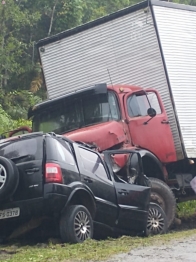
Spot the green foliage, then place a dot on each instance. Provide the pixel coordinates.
(16, 103)
(95, 9)
(5, 120)
(8, 124)
(16, 24)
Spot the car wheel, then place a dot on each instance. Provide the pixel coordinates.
(162, 195)
(9, 178)
(76, 224)
(157, 221)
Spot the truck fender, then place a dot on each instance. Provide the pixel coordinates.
(82, 196)
(152, 166)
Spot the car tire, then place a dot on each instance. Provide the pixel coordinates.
(9, 178)
(162, 195)
(157, 221)
(76, 224)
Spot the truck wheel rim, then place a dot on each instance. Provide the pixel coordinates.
(155, 222)
(82, 226)
(3, 176)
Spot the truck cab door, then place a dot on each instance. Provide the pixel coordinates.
(153, 134)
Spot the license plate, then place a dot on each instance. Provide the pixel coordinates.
(8, 213)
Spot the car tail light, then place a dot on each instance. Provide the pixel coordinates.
(53, 173)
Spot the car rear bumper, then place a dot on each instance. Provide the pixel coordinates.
(51, 203)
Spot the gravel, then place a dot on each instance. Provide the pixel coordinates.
(174, 251)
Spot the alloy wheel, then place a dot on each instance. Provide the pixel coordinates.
(82, 226)
(155, 222)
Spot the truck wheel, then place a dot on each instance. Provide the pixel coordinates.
(9, 178)
(162, 195)
(157, 221)
(76, 224)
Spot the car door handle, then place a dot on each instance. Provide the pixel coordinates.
(88, 180)
(31, 171)
(165, 122)
(123, 192)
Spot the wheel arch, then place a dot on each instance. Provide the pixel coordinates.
(81, 196)
(152, 166)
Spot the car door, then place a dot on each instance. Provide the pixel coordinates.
(154, 135)
(95, 176)
(133, 200)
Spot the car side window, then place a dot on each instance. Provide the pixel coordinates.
(138, 104)
(60, 150)
(92, 163)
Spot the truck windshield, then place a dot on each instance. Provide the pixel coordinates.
(72, 114)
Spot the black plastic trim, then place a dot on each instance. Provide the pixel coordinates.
(89, 90)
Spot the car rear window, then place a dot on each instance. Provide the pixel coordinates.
(31, 147)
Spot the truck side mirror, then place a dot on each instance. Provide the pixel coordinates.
(151, 112)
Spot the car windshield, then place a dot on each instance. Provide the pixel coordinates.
(73, 114)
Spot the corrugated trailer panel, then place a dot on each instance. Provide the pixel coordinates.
(126, 46)
(177, 31)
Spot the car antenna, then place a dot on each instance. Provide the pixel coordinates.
(110, 78)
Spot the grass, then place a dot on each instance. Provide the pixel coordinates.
(186, 209)
(92, 250)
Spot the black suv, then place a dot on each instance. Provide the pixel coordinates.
(49, 176)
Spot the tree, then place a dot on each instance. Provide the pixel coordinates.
(15, 40)
(95, 9)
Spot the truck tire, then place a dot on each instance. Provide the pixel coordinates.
(76, 224)
(162, 195)
(9, 178)
(157, 221)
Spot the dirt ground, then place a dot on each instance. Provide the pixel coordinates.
(175, 251)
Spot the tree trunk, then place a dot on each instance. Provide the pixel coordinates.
(52, 17)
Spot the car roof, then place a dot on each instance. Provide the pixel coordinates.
(17, 137)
